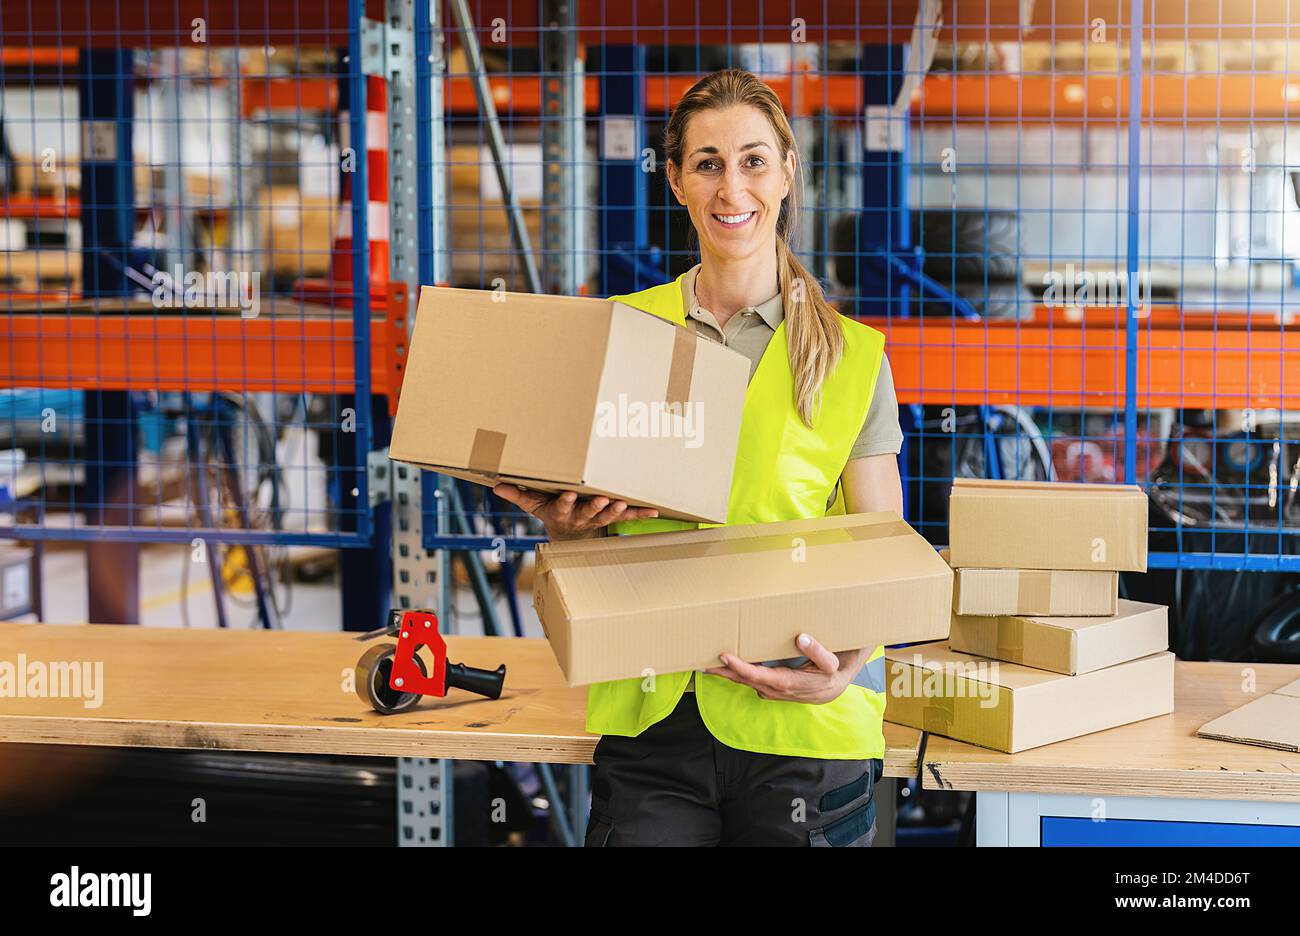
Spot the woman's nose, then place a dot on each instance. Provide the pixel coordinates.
(732, 185)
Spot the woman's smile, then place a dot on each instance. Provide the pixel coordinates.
(733, 221)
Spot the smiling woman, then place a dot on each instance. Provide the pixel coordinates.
(787, 752)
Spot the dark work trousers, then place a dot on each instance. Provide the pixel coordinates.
(675, 784)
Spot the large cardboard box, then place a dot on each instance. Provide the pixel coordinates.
(1065, 592)
(618, 607)
(1047, 525)
(1009, 707)
(560, 393)
(1068, 645)
(297, 231)
(1271, 721)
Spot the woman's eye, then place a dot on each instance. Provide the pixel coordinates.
(711, 165)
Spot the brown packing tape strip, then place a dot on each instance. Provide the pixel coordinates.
(539, 605)
(682, 368)
(937, 716)
(1034, 591)
(1011, 638)
(628, 552)
(486, 451)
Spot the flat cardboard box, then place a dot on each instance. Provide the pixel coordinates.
(1047, 525)
(1271, 721)
(618, 607)
(1011, 708)
(1063, 592)
(1067, 645)
(560, 393)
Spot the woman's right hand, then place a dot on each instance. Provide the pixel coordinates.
(569, 516)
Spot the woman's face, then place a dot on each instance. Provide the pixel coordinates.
(732, 180)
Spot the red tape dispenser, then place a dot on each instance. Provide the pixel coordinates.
(392, 678)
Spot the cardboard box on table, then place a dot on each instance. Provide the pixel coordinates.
(1047, 525)
(618, 607)
(561, 393)
(1067, 645)
(1009, 707)
(1059, 592)
(1271, 721)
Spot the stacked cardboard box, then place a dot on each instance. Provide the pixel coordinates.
(1041, 648)
(630, 606)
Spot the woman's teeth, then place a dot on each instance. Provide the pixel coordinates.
(734, 220)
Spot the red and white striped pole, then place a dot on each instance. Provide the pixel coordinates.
(339, 285)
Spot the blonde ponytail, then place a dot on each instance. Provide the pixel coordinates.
(812, 331)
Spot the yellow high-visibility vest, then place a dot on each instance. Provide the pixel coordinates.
(784, 471)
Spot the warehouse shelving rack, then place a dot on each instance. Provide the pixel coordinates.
(1113, 358)
(109, 346)
(1123, 358)
(1217, 362)
(110, 352)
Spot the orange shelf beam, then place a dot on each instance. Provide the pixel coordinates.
(41, 208)
(803, 94)
(935, 361)
(38, 57)
(195, 352)
(68, 208)
(299, 93)
(1060, 97)
(520, 95)
(939, 361)
(1063, 97)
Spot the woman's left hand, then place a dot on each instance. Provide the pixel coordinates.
(817, 682)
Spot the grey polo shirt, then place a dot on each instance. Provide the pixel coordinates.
(749, 331)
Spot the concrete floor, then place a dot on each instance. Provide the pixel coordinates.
(312, 607)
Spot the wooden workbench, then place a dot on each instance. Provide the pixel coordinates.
(282, 691)
(289, 692)
(1153, 782)
(1159, 757)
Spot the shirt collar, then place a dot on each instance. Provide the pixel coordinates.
(772, 312)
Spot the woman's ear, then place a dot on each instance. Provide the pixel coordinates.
(674, 182)
(789, 172)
